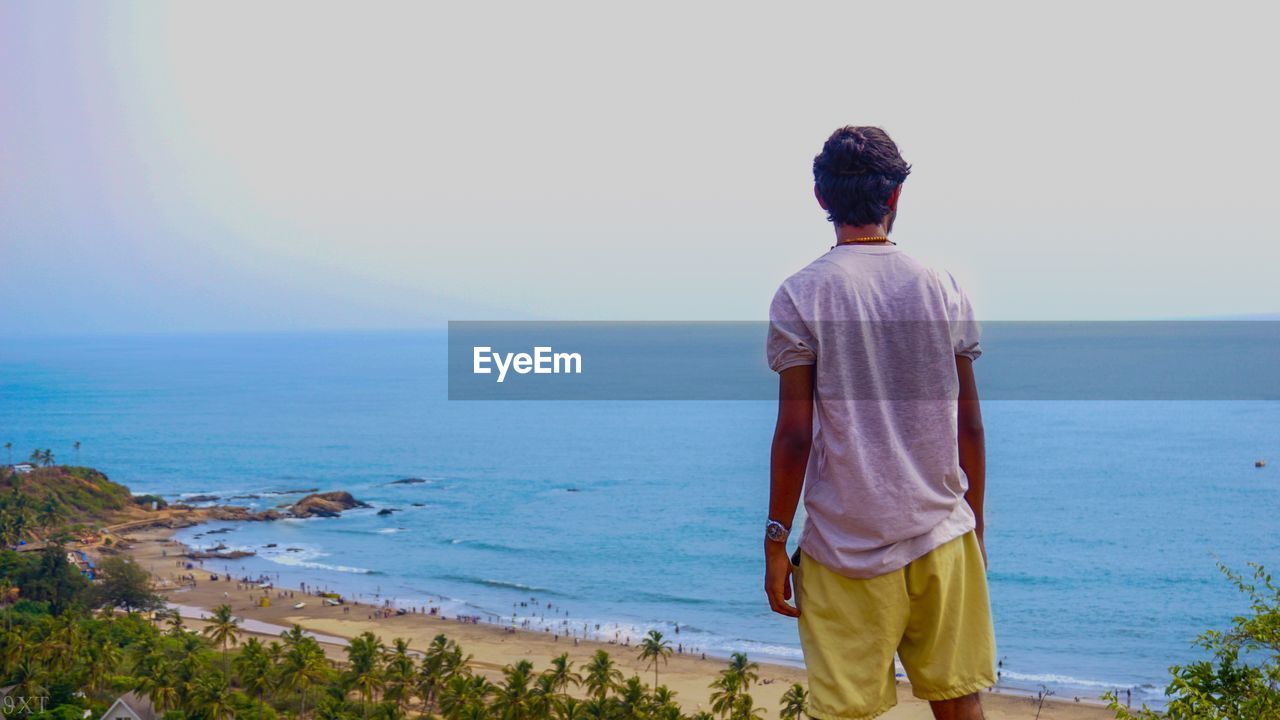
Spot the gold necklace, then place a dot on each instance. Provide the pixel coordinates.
(857, 241)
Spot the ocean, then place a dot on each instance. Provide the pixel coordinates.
(1106, 519)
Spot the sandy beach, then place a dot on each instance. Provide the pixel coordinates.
(493, 647)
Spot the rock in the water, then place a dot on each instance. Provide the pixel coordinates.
(386, 511)
(219, 554)
(1260, 463)
(329, 504)
(408, 481)
(237, 513)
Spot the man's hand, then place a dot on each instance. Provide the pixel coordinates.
(777, 578)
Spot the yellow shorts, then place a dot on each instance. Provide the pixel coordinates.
(934, 613)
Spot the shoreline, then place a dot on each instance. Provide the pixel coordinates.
(531, 613)
(494, 646)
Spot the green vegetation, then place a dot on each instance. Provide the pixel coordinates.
(147, 500)
(42, 582)
(54, 645)
(41, 457)
(122, 583)
(1242, 680)
(45, 582)
(33, 505)
(83, 662)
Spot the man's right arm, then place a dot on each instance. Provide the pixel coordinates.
(792, 441)
(973, 445)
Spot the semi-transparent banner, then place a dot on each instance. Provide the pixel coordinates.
(1156, 360)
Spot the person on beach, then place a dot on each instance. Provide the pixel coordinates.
(879, 425)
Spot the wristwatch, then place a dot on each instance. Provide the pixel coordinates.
(775, 531)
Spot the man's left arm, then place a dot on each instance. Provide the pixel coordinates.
(973, 445)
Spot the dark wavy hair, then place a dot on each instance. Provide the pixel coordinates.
(856, 173)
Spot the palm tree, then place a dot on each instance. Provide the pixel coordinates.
(147, 655)
(304, 666)
(401, 673)
(16, 647)
(254, 671)
(795, 703)
(664, 706)
(561, 674)
(8, 449)
(223, 629)
(364, 666)
(332, 705)
(512, 700)
(663, 697)
(542, 699)
(76, 445)
(654, 649)
(27, 679)
(160, 685)
(475, 711)
(46, 458)
(745, 709)
(17, 518)
(174, 621)
(461, 693)
(567, 708)
(294, 635)
(747, 671)
(212, 697)
(602, 675)
(388, 710)
(275, 651)
(64, 641)
(47, 516)
(632, 700)
(597, 709)
(727, 688)
(191, 661)
(6, 591)
(431, 675)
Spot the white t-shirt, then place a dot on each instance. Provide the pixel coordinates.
(884, 484)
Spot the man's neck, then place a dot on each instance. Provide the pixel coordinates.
(856, 233)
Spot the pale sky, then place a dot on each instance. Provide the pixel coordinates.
(226, 166)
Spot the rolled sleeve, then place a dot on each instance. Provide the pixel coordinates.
(790, 343)
(966, 331)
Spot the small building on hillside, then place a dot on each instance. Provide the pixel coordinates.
(131, 706)
(23, 468)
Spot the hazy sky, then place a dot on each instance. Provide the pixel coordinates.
(276, 166)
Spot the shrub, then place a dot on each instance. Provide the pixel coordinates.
(1242, 680)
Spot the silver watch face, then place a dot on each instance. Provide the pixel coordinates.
(775, 531)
